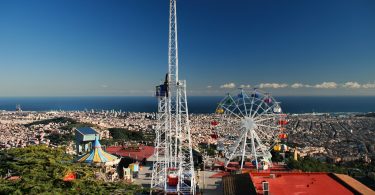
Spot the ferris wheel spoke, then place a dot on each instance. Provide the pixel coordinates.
(232, 103)
(262, 133)
(264, 119)
(235, 103)
(261, 112)
(232, 150)
(265, 111)
(243, 101)
(225, 108)
(257, 109)
(260, 144)
(252, 103)
(267, 126)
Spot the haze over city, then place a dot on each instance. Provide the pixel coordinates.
(117, 48)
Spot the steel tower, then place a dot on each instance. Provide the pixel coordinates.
(173, 169)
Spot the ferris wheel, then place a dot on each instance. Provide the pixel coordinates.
(250, 123)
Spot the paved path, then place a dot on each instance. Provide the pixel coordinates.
(210, 185)
(207, 185)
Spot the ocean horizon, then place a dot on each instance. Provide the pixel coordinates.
(197, 104)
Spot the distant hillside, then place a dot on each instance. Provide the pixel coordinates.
(371, 114)
(61, 138)
(53, 120)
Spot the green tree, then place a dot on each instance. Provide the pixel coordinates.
(308, 164)
(124, 134)
(42, 169)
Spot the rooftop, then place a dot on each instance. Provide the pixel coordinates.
(237, 184)
(351, 182)
(303, 183)
(138, 154)
(86, 130)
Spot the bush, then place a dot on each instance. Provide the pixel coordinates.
(308, 164)
(126, 135)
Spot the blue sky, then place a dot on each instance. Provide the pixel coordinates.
(120, 47)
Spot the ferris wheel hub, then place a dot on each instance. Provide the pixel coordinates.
(249, 123)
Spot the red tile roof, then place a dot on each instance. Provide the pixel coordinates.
(299, 183)
(248, 166)
(220, 174)
(138, 154)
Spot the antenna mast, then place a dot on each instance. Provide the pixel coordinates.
(173, 170)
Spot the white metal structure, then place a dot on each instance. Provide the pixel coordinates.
(173, 146)
(249, 126)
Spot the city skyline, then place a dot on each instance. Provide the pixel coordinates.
(118, 48)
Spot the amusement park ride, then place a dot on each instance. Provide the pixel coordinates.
(173, 170)
(251, 124)
(253, 119)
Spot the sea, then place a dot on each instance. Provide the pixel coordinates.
(197, 104)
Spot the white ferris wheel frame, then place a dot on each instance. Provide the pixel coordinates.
(255, 119)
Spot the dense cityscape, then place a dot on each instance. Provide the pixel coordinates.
(341, 138)
(282, 97)
(329, 138)
(337, 137)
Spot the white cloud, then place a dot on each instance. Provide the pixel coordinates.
(297, 85)
(334, 85)
(245, 86)
(326, 85)
(209, 87)
(351, 85)
(368, 86)
(228, 86)
(273, 85)
(104, 86)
